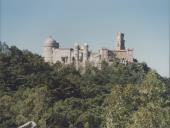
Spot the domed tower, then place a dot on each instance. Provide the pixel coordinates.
(48, 47)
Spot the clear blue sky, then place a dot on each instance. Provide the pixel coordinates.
(27, 23)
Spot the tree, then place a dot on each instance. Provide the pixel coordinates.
(120, 105)
(154, 111)
(150, 116)
(31, 105)
(6, 115)
(138, 107)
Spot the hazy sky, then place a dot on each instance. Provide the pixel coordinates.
(27, 23)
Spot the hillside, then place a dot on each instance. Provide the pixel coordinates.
(58, 96)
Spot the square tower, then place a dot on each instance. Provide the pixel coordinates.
(120, 42)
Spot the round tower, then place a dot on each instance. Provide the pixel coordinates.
(48, 47)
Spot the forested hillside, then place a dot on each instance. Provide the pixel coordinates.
(58, 96)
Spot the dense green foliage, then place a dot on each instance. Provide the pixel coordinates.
(58, 96)
(143, 106)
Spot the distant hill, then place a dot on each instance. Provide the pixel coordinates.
(59, 96)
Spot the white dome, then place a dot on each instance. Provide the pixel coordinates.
(85, 44)
(49, 42)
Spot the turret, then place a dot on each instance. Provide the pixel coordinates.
(120, 42)
(48, 48)
(130, 54)
(76, 55)
(85, 53)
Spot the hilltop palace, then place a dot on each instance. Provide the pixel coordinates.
(80, 54)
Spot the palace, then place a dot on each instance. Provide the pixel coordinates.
(80, 54)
